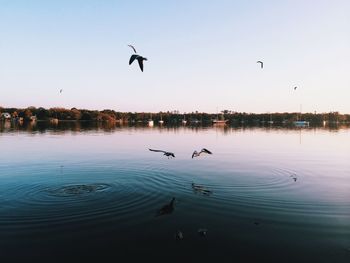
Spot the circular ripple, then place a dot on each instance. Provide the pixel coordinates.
(78, 189)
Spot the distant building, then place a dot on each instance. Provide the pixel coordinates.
(5, 116)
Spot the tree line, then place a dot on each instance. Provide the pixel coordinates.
(170, 117)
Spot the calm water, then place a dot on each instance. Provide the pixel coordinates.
(78, 192)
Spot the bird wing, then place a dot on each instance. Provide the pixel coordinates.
(194, 154)
(140, 60)
(261, 63)
(161, 151)
(206, 151)
(132, 58)
(132, 48)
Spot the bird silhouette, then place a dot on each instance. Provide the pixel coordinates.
(166, 209)
(168, 154)
(133, 48)
(295, 88)
(139, 58)
(261, 63)
(61, 90)
(196, 154)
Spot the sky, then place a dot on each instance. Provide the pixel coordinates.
(202, 55)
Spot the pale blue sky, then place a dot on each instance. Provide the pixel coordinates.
(202, 55)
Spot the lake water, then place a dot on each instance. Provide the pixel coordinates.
(84, 192)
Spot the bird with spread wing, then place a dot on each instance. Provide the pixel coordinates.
(168, 154)
(139, 58)
(196, 154)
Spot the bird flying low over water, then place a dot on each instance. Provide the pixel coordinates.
(139, 58)
(168, 154)
(166, 209)
(261, 63)
(196, 154)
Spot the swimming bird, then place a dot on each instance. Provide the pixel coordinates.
(294, 177)
(167, 209)
(196, 154)
(139, 58)
(168, 154)
(261, 63)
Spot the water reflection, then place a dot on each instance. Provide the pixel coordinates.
(86, 126)
(264, 193)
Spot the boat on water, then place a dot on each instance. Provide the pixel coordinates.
(301, 123)
(184, 120)
(161, 120)
(216, 121)
(220, 119)
(150, 122)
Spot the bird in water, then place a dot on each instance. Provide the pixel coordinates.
(294, 177)
(261, 63)
(196, 154)
(168, 154)
(201, 189)
(139, 58)
(166, 209)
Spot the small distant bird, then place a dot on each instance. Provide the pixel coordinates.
(261, 63)
(139, 58)
(295, 88)
(167, 209)
(61, 90)
(168, 154)
(294, 177)
(196, 154)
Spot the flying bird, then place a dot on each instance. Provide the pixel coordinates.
(196, 154)
(132, 48)
(61, 90)
(166, 209)
(261, 63)
(295, 88)
(139, 58)
(168, 154)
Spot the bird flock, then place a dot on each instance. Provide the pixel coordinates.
(140, 60)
